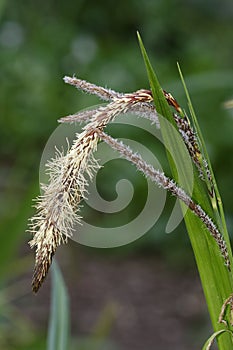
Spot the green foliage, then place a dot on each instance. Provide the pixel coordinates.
(40, 42)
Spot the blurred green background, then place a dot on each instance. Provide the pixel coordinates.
(40, 42)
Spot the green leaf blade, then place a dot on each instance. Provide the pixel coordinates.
(58, 332)
(215, 277)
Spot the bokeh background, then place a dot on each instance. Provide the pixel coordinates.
(145, 295)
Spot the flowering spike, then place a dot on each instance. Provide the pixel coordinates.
(103, 93)
(163, 181)
(57, 207)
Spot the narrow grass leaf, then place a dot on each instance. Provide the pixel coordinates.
(216, 201)
(58, 331)
(210, 341)
(215, 277)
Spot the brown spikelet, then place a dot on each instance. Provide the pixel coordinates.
(46, 248)
(42, 266)
(172, 101)
(189, 139)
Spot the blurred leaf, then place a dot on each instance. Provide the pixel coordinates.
(58, 333)
(2, 7)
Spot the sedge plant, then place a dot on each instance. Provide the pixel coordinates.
(58, 209)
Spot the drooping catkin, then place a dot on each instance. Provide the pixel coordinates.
(163, 181)
(57, 207)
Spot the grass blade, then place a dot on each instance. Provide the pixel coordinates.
(215, 277)
(210, 341)
(216, 200)
(59, 314)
